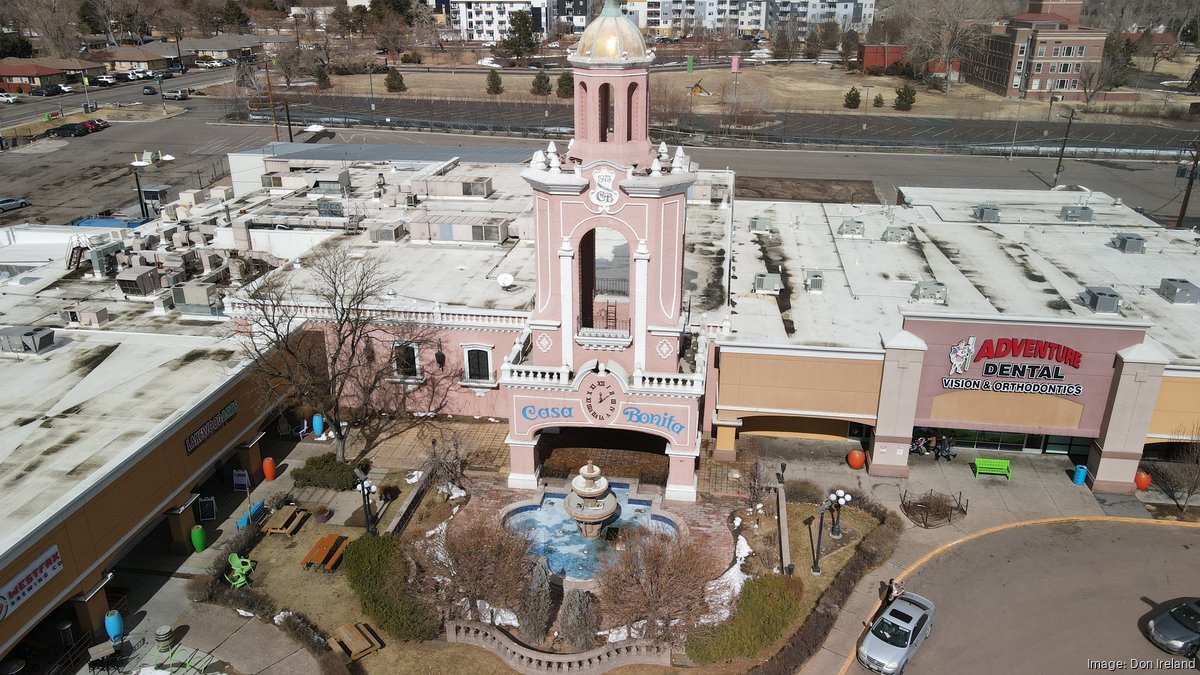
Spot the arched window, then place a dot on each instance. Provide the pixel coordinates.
(605, 101)
(581, 120)
(630, 106)
(479, 364)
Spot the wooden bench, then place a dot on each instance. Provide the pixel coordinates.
(357, 640)
(337, 554)
(999, 467)
(320, 551)
(284, 521)
(257, 509)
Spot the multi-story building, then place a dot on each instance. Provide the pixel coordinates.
(1041, 53)
(488, 20)
(681, 18)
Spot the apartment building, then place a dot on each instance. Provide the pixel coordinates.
(678, 18)
(488, 20)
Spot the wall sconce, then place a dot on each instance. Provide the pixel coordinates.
(440, 357)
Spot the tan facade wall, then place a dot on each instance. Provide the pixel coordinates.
(1178, 408)
(829, 387)
(96, 527)
(782, 426)
(974, 408)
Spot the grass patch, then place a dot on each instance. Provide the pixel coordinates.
(766, 608)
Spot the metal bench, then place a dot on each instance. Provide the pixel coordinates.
(999, 467)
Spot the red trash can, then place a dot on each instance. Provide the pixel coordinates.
(269, 468)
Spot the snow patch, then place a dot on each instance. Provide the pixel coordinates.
(721, 591)
(503, 617)
(248, 615)
(454, 491)
(413, 476)
(737, 522)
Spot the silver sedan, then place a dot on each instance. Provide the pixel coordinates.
(894, 637)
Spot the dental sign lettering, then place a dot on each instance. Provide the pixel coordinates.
(1043, 367)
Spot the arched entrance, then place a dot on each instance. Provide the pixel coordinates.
(622, 454)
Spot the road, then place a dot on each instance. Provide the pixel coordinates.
(67, 178)
(1049, 598)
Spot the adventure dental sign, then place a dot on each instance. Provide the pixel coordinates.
(1044, 377)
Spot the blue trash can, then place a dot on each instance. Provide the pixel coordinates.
(318, 425)
(1080, 474)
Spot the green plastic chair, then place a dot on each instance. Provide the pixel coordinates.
(237, 580)
(241, 565)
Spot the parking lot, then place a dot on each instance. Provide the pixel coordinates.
(1049, 598)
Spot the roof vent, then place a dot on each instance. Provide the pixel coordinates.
(760, 224)
(1127, 242)
(900, 234)
(1102, 299)
(930, 291)
(1076, 214)
(1179, 291)
(986, 212)
(814, 281)
(852, 227)
(389, 232)
(769, 283)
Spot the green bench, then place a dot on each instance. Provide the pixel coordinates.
(999, 467)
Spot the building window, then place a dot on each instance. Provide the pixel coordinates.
(485, 233)
(1062, 84)
(479, 364)
(1035, 85)
(1074, 84)
(1037, 67)
(1080, 50)
(1016, 81)
(1055, 52)
(1068, 51)
(1041, 51)
(1020, 66)
(1078, 67)
(404, 361)
(1021, 50)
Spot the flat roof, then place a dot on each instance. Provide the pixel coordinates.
(391, 152)
(1030, 263)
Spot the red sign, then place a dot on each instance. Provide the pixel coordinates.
(1027, 348)
(18, 589)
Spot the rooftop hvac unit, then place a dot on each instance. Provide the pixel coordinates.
(410, 199)
(900, 234)
(141, 280)
(390, 232)
(196, 298)
(172, 276)
(852, 227)
(1127, 242)
(1076, 214)
(814, 281)
(26, 339)
(328, 208)
(769, 283)
(986, 212)
(930, 291)
(760, 224)
(84, 316)
(1179, 291)
(1102, 299)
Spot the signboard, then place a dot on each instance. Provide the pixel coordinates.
(241, 480)
(212, 426)
(208, 508)
(596, 405)
(17, 590)
(605, 195)
(1044, 375)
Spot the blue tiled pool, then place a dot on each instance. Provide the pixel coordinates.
(558, 538)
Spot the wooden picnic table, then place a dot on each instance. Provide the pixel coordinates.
(284, 521)
(357, 640)
(320, 551)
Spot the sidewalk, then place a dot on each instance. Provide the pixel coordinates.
(1041, 487)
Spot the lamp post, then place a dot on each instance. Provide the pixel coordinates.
(816, 566)
(837, 500)
(1063, 149)
(366, 488)
(138, 165)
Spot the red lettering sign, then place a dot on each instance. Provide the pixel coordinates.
(997, 348)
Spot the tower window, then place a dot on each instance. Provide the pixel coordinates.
(605, 101)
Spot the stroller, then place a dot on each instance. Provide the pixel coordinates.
(918, 447)
(945, 449)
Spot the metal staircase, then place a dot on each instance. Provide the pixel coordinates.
(76, 247)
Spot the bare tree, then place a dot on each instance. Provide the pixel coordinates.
(945, 30)
(485, 561)
(1178, 477)
(1155, 51)
(829, 34)
(292, 62)
(788, 39)
(316, 345)
(391, 33)
(758, 483)
(659, 579)
(54, 22)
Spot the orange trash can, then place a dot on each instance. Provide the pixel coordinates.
(269, 468)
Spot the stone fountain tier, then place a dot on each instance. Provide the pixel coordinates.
(590, 503)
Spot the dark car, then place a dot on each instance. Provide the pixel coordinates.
(178, 69)
(165, 74)
(148, 90)
(91, 126)
(44, 91)
(123, 77)
(69, 130)
(1177, 630)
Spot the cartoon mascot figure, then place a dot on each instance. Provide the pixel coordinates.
(960, 356)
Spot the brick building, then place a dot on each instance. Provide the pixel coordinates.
(1041, 53)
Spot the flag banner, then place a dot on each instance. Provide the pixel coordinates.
(689, 62)
(736, 63)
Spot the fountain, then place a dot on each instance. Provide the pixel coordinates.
(590, 503)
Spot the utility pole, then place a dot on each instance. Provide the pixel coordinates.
(1187, 193)
(1063, 149)
(271, 98)
(287, 113)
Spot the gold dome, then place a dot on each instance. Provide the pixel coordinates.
(612, 39)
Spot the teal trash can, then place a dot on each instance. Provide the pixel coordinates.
(318, 425)
(1080, 474)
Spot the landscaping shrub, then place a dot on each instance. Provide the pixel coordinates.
(333, 663)
(411, 57)
(494, 85)
(875, 70)
(395, 81)
(804, 490)
(578, 619)
(565, 87)
(878, 102)
(906, 96)
(541, 85)
(853, 98)
(369, 562)
(279, 500)
(892, 69)
(765, 608)
(326, 472)
(536, 606)
(245, 598)
(303, 631)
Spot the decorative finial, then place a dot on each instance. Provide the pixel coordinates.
(552, 148)
(656, 168)
(555, 164)
(662, 150)
(539, 160)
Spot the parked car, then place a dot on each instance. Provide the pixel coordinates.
(103, 124)
(91, 126)
(65, 88)
(110, 79)
(893, 639)
(10, 203)
(1177, 630)
(69, 130)
(149, 90)
(123, 77)
(210, 64)
(177, 69)
(176, 94)
(8, 98)
(93, 82)
(165, 74)
(44, 91)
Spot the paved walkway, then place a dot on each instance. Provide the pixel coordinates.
(481, 440)
(247, 644)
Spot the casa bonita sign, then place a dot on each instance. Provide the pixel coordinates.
(1014, 377)
(18, 589)
(538, 412)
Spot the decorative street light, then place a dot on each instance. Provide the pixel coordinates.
(837, 500)
(367, 488)
(816, 566)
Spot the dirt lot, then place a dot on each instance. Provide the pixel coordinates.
(812, 190)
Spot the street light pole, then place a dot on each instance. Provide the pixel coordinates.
(1063, 149)
(838, 499)
(137, 166)
(1187, 194)
(816, 567)
(367, 488)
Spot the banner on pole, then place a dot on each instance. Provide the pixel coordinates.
(689, 64)
(736, 63)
